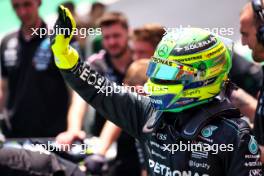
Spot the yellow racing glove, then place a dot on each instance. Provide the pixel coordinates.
(66, 57)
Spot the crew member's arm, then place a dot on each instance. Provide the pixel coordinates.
(127, 110)
(3, 93)
(262, 153)
(109, 134)
(3, 78)
(245, 103)
(95, 163)
(76, 113)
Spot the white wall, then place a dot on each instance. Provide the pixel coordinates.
(173, 13)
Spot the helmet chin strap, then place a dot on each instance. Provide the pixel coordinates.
(227, 90)
(221, 97)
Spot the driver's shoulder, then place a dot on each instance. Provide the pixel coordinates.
(228, 129)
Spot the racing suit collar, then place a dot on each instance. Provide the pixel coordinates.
(160, 118)
(207, 113)
(177, 120)
(189, 123)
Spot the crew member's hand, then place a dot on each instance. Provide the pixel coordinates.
(96, 164)
(261, 153)
(65, 56)
(68, 137)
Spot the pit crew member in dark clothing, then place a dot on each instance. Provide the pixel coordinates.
(35, 96)
(251, 29)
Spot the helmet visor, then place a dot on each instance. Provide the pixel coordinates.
(165, 69)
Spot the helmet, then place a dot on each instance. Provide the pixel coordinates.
(189, 67)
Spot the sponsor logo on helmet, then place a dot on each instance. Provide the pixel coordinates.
(215, 70)
(210, 53)
(190, 58)
(163, 50)
(215, 52)
(162, 61)
(191, 93)
(183, 102)
(219, 60)
(155, 101)
(153, 88)
(201, 44)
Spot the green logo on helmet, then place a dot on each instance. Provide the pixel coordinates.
(163, 50)
(253, 145)
(208, 130)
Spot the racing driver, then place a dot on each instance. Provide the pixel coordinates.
(186, 115)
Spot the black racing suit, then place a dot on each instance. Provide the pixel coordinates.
(234, 150)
